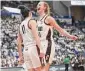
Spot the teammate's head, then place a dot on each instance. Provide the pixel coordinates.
(43, 7)
(24, 11)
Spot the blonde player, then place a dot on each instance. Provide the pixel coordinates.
(45, 25)
(29, 37)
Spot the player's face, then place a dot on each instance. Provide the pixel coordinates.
(40, 7)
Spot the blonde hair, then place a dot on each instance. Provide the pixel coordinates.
(47, 11)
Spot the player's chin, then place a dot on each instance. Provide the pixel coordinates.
(38, 11)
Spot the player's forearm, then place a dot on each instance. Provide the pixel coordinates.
(20, 50)
(38, 42)
(65, 33)
(62, 31)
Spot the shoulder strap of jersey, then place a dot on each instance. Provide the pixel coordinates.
(45, 19)
(28, 23)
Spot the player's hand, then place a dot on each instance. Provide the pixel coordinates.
(41, 55)
(21, 60)
(73, 37)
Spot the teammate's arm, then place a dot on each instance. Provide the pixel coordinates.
(19, 45)
(32, 25)
(53, 23)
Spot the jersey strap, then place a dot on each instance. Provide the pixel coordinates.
(28, 23)
(42, 17)
(45, 19)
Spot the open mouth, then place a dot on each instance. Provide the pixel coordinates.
(38, 8)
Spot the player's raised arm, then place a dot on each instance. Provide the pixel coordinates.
(53, 23)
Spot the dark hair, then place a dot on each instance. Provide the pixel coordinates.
(24, 11)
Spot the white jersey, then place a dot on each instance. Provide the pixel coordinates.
(45, 31)
(26, 33)
(30, 54)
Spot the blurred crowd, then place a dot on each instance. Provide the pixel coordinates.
(66, 46)
(9, 54)
(75, 49)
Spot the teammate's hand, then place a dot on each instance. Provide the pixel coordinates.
(41, 55)
(21, 60)
(73, 37)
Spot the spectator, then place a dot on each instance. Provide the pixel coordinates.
(66, 62)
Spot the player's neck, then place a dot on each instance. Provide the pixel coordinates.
(28, 17)
(42, 15)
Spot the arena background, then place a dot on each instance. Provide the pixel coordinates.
(70, 15)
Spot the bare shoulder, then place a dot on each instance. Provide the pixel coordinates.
(50, 18)
(32, 21)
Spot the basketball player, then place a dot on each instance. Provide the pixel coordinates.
(29, 37)
(45, 25)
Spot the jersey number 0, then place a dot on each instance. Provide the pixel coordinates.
(23, 29)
